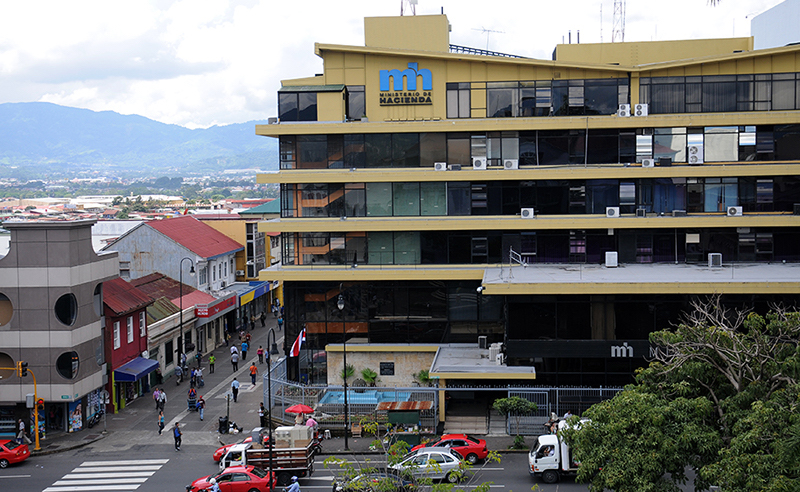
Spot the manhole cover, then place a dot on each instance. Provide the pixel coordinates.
(91, 436)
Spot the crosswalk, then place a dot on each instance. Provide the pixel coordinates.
(107, 475)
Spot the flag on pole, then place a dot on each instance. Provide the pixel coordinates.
(298, 343)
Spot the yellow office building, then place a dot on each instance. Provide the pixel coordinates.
(564, 207)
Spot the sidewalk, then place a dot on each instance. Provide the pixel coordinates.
(141, 415)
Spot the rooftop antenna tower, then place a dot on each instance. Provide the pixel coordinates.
(618, 32)
(487, 32)
(412, 6)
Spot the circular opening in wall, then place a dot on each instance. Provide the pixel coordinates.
(67, 309)
(6, 361)
(67, 364)
(6, 309)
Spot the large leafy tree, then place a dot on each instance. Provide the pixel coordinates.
(721, 396)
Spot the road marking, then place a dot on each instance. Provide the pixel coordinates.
(107, 476)
(124, 462)
(111, 480)
(89, 469)
(16, 476)
(146, 474)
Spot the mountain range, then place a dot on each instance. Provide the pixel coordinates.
(39, 140)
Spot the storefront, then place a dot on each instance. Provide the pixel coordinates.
(130, 381)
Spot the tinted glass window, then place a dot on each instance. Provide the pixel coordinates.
(287, 106)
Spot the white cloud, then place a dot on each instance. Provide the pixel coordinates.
(202, 62)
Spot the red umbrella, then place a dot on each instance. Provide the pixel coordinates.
(299, 408)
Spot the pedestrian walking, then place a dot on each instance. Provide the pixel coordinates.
(253, 373)
(160, 422)
(263, 319)
(155, 397)
(275, 309)
(201, 405)
(192, 378)
(162, 399)
(280, 323)
(211, 360)
(235, 390)
(262, 418)
(252, 323)
(198, 357)
(281, 311)
(21, 435)
(234, 349)
(176, 433)
(183, 360)
(260, 353)
(245, 346)
(235, 361)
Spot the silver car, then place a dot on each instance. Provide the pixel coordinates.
(433, 463)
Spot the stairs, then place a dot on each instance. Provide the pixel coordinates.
(466, 424)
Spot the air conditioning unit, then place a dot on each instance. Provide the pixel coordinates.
(624, 110)
(714, 260)
(612, 259)
(483, 342)
(499, 359)
(494, 350)
(479, 163)
(454, 167)
(679, 213)
(640, 110)
(510, 163)
(695, 154)
(440, 166)
(240, 273)
(641, 212)
(612, 211)
(527, 213)
(648, 162)
(734, 211)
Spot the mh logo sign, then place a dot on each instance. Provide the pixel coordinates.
(410, 74)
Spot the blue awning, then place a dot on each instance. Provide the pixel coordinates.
(135, 370)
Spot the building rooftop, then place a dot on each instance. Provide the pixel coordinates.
(122, 297)
(201, 239)
(468, 361)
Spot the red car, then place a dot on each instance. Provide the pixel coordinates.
(471, 448)
(12, 452)
(237, 479)
(219, 453)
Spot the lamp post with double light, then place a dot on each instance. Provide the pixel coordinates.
(272, 351)
(180, 302)
(340, 305)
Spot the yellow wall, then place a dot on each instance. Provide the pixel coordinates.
(638, 53)
(417, 32)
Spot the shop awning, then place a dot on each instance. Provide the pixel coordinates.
(135, 370)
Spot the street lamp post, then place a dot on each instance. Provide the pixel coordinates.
(271, 351)
(340, 305)
(180, 301)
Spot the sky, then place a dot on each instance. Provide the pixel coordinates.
(198, 63)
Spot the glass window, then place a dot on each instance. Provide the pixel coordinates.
(380, 247)
(287, 106)
(355, 200)
(142, 324)
(66, 309)
(312, 152)
(117, 342)
(406, 198)
(67, 364)
(432, 148)
(406, 248)
(458, 100)
(721, 144)
(405, 150)
(307, 106)
(354, 153)
(378, 149)
(379, 199)
(130, 329)
(433, 199)
(458, 198)
(458, 149)
(356, 102)
(502, 99)
(601, 96)
(671, 146)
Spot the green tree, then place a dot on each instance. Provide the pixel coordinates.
(514, 406)
(720, 397)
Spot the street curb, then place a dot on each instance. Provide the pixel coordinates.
(67, 448)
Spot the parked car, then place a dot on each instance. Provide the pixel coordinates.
(433, 463)
(471, 448)
(12, 452)
(219, 453)
(237, 479)
(375, 481)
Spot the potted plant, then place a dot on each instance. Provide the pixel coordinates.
(369, 376)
